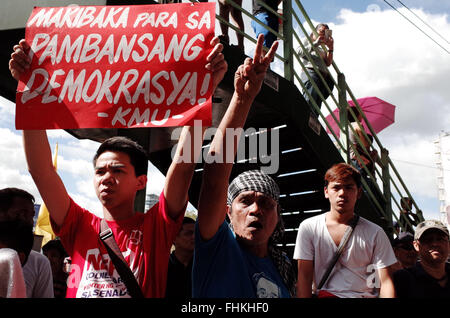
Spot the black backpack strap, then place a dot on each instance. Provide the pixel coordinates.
(341, 247)
(107, 237)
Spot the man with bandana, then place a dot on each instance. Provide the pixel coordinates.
(239, 259)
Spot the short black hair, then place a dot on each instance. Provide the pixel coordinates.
(188, 220)
(138, 156)
(7, 196)
(17, 235)
(55, 245)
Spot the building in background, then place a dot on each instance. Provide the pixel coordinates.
(443, 165)
(150, 200)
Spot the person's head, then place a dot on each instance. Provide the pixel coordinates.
(17, 235)
(253, 208)
(350, 117)
(406, 204)
(185, 238)
(16, 204)
(431, 241)
(342, 187)
(320, 29)
(55, 253)
(404, 249)
(136, 153)
(120, 166)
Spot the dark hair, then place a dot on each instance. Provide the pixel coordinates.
(350, 117)
(137, 154)
(341, 171)
(322, 25)
(188, 220)
(17, 235)
(318, 27)
(7, 196)
(406, 203)
(54, 245)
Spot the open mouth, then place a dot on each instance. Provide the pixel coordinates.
(255, 224)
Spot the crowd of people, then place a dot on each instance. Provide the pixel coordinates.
(230, 250)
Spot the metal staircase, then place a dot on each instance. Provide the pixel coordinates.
(303, 148)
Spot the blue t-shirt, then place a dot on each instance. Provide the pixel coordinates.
(222, 269)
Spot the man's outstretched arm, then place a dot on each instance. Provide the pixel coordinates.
(37, 151)
(247, 82)
(179, 175)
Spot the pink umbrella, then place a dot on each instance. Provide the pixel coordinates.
(379, 113)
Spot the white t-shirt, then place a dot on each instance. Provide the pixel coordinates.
(38, 276)
(354, 274)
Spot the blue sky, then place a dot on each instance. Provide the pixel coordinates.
(327, 10)
(381, 55)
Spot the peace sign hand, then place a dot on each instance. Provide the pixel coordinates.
(250, 75)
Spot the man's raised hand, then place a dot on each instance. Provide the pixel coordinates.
(250, 75)
(216, 63)
(19, 61)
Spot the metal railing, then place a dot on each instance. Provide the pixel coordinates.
(292, 15)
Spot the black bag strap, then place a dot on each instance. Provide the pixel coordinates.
(344, 241)
(107, 237)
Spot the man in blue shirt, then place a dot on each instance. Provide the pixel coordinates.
(238, 260)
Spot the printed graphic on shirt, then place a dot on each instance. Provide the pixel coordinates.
(265, 288)
(100, 279)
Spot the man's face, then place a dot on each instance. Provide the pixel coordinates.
(433, 247)
(115, 181)
(406, 254)
(185, 238)
(342, 195)
(22, 209)
(254, 217)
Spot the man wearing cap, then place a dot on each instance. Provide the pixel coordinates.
(404, 251)
(430, 276)
(239, 259)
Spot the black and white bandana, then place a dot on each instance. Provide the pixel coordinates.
(253, 180)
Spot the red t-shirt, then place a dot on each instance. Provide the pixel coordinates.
(144, 239)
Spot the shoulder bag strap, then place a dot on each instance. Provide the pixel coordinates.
(107, 237)
(344, 241)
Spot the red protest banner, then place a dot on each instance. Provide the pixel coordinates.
(117, 67)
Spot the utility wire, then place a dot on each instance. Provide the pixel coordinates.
(424, 22)
(419, 164)
(416, 26)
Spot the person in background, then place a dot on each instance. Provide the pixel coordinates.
(267, 18)
(225, 11)
(428, 278)
(56, 254)
(18, 204)
(120, 167)
(321, 60)
(179, 273)
(404, 251)
(356, 134)
(407, 218)
(368, 248)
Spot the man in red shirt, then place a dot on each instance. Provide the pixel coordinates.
(144, 239)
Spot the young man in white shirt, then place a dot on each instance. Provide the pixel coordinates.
(364, 264)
